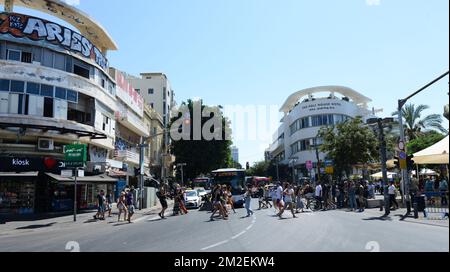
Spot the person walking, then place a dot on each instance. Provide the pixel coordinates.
(318, 196)
(266, 197)
(299, 197)
(217, 195)
(122, 206)
(109, 201)
(352, 196)
(288, 200)
(279, 196)
(101, 202)
(443, 188)
(325, 196)
(248, 201)
(361, 199)
(130, 203)
(162, 195)
(393, 195)
(230, 198)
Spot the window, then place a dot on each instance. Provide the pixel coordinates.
(47, 90)
(103, 83)
(81, 71)
(4, 85)
(60, 93)
(14, 55)
(138, 91)
(17, 86)
(72, 96)
(164, 93)
(26, 57)
(155, 131)
(151, 91)
(152, 105)
(48, 107)
(78, 116)
(33, 88)
(60, 62)
(105, 123)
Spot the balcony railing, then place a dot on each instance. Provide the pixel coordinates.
(127, 155)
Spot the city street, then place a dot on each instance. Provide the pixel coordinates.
(330, 231)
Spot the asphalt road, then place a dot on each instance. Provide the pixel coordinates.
(330, 231)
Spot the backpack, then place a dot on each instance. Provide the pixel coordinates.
(158, 194)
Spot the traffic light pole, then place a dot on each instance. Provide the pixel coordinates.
(401, 103)
(387, 204)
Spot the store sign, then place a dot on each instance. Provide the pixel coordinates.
(24, 26)
(66, 173)
(128, 95)
(17, 164)
(97, 154)
(75, 153)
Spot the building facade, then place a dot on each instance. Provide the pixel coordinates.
(295, 143)
(55, 90)
(235, 154)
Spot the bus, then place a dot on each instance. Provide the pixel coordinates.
(235, 178)
(202, 182)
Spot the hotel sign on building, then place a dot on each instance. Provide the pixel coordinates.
(322, 106)
(40, 30)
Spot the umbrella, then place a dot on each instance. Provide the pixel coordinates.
(379, 175)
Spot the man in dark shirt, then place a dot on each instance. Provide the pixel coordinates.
(101, 206)
(130, 203)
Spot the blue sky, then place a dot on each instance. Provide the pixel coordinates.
(258, 52)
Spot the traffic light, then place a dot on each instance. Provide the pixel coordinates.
(397, 162)
(410, 162)
(137, 171)
(247, 166)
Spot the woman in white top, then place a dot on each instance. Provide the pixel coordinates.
(288, 200)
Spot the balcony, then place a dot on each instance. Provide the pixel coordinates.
(127, 156)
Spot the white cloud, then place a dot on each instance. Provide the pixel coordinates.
(373, 2)
(72, 2)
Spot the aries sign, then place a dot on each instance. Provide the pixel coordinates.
(37, 29)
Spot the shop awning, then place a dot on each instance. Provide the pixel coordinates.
(379, 175)
(22, 174)
(92, 179)
(436, 154)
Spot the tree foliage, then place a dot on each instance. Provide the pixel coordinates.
(348, 144)
(202, 156)
(424, 141)
(415, 125)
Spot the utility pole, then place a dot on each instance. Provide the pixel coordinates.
(181, 165)
(383, 155)
(318, 158)
(142, 147)
(75, 197)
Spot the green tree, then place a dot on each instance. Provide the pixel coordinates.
(424, 141)
(259, 169)
(348, 144)
(415, 125)
(202, 156)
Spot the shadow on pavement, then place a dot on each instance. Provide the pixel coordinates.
(381, 218)
(36, 226)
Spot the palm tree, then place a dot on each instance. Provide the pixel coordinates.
(415, 126)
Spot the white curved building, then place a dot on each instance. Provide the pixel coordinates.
(305, 113)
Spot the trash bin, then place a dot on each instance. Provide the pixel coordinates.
(420, 200)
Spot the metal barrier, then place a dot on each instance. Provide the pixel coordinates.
(436, 205)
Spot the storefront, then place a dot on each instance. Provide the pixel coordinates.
(17, 192)
(87, 190)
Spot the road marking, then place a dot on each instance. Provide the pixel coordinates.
(249, 227)
(236, 236)
(215, 245)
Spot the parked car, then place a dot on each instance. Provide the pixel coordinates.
(201, 192)
(193, 200)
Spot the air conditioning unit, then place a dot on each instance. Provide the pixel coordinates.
(46, 144)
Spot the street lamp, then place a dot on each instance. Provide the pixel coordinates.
(293, 161)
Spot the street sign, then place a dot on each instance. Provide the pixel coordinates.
(66, 173)
(309, 165)
(80, 173)
(75, 153)
(401, 145)
(402, 156)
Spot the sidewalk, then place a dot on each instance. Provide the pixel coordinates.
(83, 219)
(400, 215)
